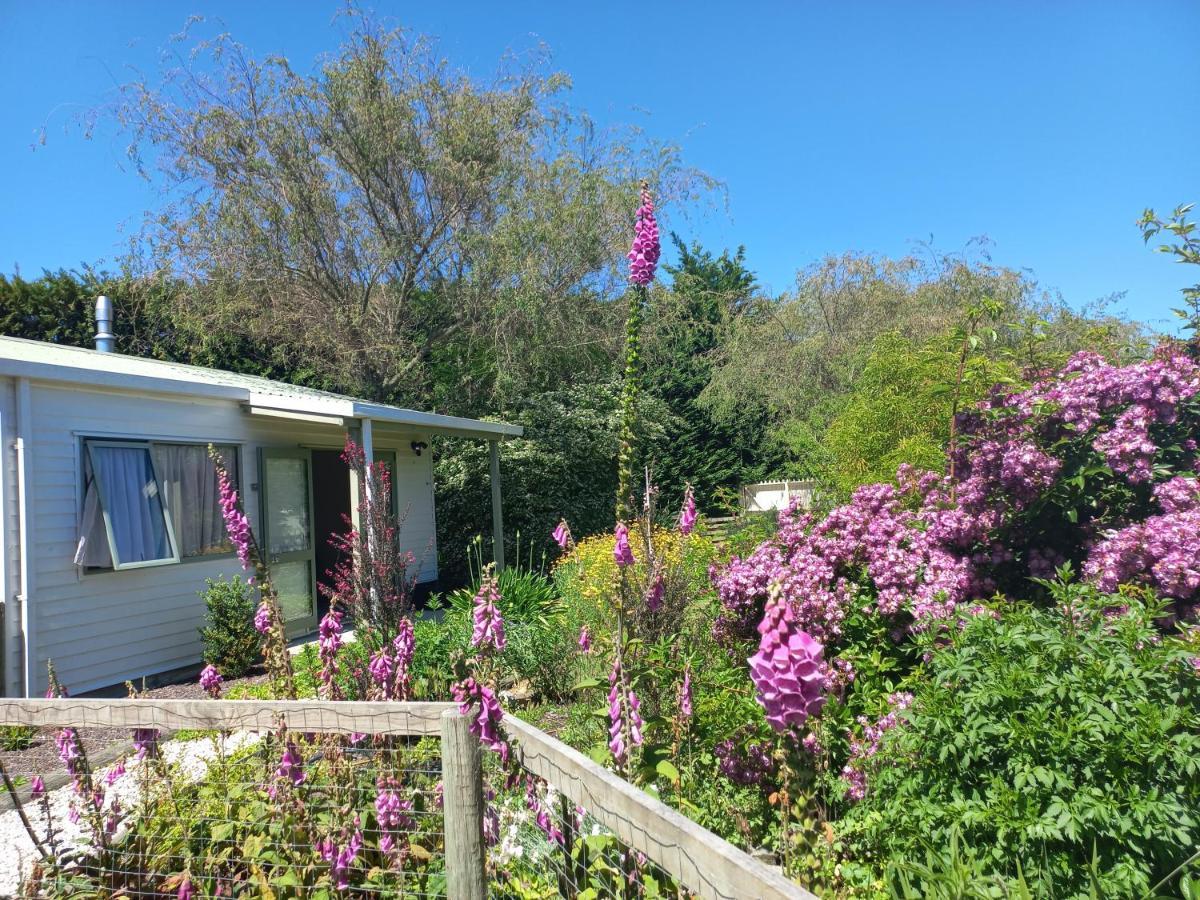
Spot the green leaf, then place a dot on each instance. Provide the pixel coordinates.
(667, 770)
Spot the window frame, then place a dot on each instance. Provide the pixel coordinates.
(169, 526)
(85, 440)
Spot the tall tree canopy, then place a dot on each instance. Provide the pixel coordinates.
(400, 220)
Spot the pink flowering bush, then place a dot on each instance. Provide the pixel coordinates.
(1090, 471)
(1089, 466)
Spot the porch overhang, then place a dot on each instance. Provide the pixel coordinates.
(341, 411)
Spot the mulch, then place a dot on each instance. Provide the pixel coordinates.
(102, 746)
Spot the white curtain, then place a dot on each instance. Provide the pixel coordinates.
(189, 482)
(129, 494)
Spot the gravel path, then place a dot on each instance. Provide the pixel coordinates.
(190, 760)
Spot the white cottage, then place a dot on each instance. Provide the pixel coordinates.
(109, 503)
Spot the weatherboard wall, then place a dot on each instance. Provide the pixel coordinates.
(105, 627)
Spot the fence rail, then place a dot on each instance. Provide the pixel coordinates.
(697, 859)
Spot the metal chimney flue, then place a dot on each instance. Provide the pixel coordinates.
(105, 339)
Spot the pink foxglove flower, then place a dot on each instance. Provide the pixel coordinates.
(291, 765)
(211, 680)
(329, 642)
(622, 552)
(687, 515)
(489, 624)
(485, 724)
(186, 891)
(585, 640)
(623, 711)
(788, 670)
(654, 595)
(562, 535)
(37, 788)
(237, 526)
(643, 254)
(262, 618)
(145, 742)
(390, 807)
(405, 645)
(685, 693)
(381, 667)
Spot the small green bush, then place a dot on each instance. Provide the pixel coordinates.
(230, 641)
(17, 737)
(1062, 744)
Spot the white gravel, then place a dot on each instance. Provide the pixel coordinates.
(190, 760)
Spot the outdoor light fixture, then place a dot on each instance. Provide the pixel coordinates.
(418, 446)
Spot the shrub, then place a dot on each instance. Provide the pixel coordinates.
(1062, 743)
(527, 595)
(17, 737)
(230, 641)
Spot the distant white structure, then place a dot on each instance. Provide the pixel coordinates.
(767, 496)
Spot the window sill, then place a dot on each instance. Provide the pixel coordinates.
(187, 560)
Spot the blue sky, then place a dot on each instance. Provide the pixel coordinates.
(1046, 126)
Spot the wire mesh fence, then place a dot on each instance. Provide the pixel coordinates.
(156, 798)
(224, 812)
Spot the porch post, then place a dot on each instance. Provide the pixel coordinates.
(497, 509)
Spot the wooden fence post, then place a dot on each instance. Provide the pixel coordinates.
(462, 807)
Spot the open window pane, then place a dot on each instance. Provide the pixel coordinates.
(128, 494)
(189, 482)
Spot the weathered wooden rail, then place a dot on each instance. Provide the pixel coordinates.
(698, 859)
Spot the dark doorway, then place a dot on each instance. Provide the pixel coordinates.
(331, 515)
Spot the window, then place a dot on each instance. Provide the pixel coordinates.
(150, 503)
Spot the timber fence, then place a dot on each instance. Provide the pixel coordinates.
(313, 799)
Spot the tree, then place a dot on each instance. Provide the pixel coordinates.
(400, 220)
(715, 454)
(816, 340)
(1186, 249)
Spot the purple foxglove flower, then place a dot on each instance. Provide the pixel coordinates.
(643, 254)
(687, 515)
(37, 788)
(381, 667)
(685, 692)
(262, 618)
(237, 526)
(210, 680)
(114, 774)
(622, 552)
(585, 640)
(405, 645)
(186, 891)
(145, 742)
(68, 749)
(562, 535)
(489, 624)
(485, 724)
(788, 670)
(623, 710)
(291, 765)
(541, 815)
(654, 595)
(491, 826)
(390, 808)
